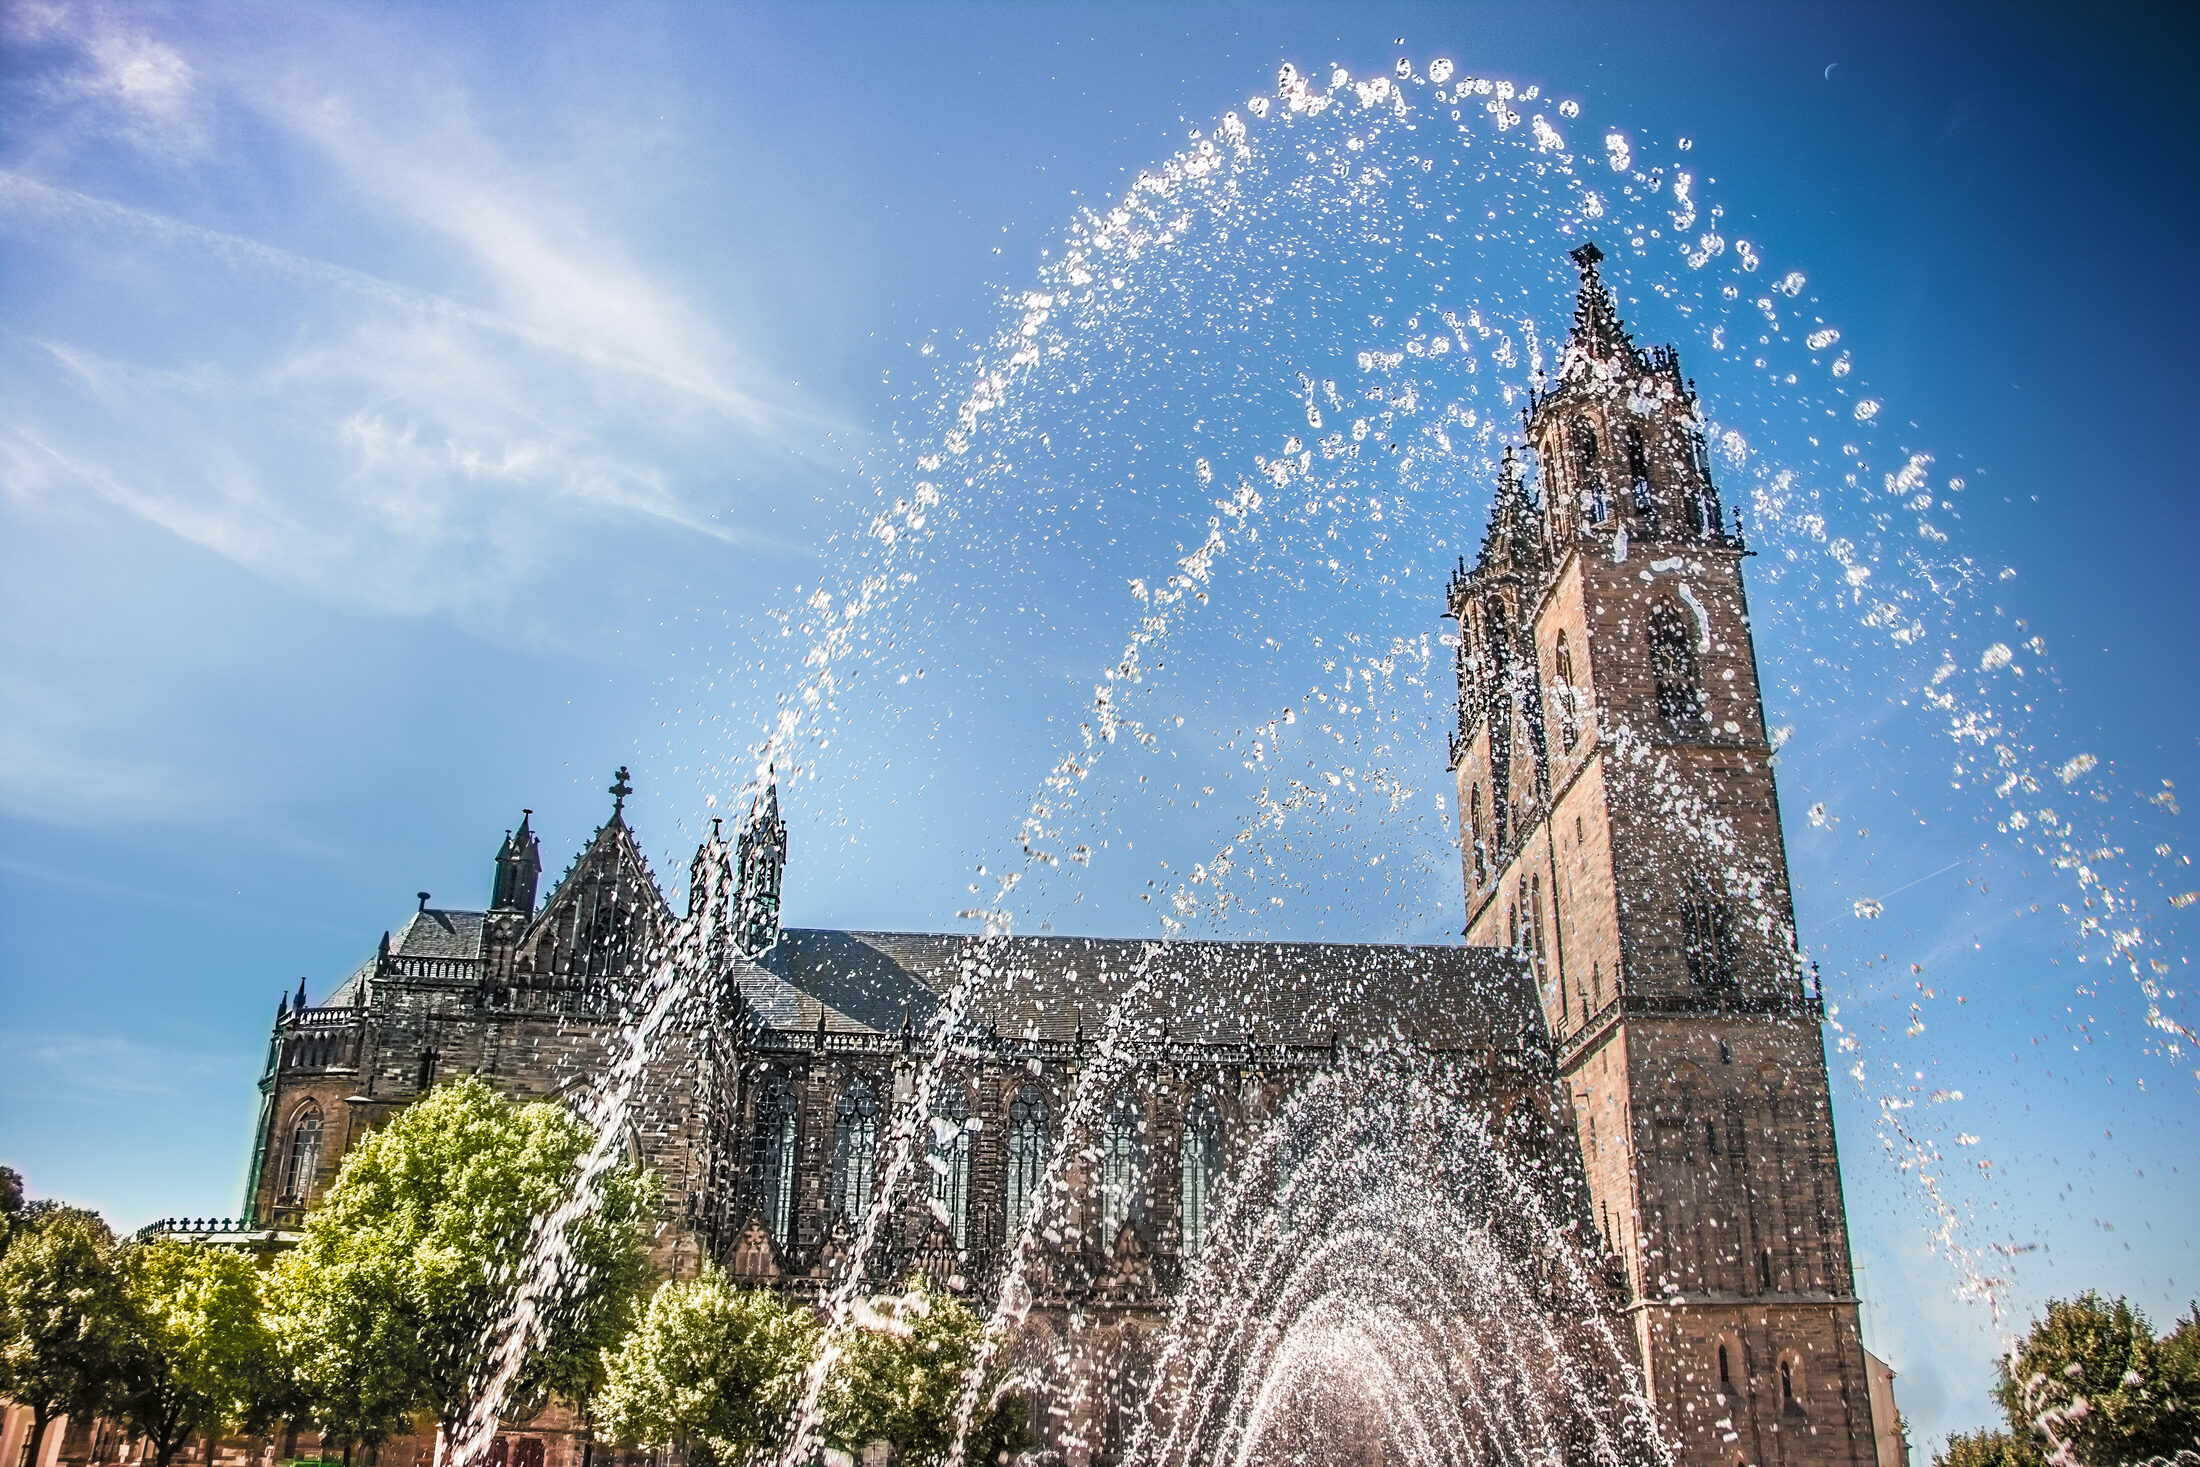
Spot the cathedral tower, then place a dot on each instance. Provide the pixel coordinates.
(1619, 827)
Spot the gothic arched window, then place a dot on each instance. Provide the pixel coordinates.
(1638, 470)
(1726, 1372)
(1199, 1165)
(305, 1155)
(1027, 1151)
(775, 1149)
(855, 1150)
(1594, 503)
(1673, 667)
(1474, 832)
(1569, 713)
(952, 1144)
(1706, 944)
(1122, 1166)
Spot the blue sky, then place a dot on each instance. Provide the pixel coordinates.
(409, 415)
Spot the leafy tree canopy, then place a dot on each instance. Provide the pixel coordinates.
(385, 1306)
(65, 1320)
(719, 1371)
(2090, 1375)
(203, 1361)
(901, 1376)
(714, 1369)
(1989, 1449)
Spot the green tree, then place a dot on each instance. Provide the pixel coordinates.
(2092, 1372)
(65, 1321)
(710, 1368)
(385, 1308)
(1989, 1448)
(901, 1376)
(204, 1361)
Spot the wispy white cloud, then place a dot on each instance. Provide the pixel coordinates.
(111, 76)
(352, 436)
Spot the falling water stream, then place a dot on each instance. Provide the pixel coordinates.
(1252, 408)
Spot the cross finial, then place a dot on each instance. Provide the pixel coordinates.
(1586, 257)
(620, 789)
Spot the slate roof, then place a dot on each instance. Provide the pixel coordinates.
(1209, 992)
(439, 932)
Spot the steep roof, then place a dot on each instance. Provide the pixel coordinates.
(439, 932)
(604, 911)
(1216, 992)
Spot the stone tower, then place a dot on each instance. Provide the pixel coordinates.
(1619, 827)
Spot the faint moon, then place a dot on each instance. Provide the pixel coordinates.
(1829, 69)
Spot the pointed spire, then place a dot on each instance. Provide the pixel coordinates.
(518, 869)
(1514, 540)
(1597, 329)
(300, 1006)
(282, 1007)
(760, 860)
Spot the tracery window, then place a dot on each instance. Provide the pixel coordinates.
(1199, 1164)
(855, 1150)
(775, 1135)
(1569, 719)
(305, 1155)
(1027, 1151)
(1638, 470)
(952, 1143)
(1122, 1166)
(1673, 667)
(1594, 502)
(1707, 945)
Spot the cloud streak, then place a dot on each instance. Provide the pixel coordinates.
(451, 436)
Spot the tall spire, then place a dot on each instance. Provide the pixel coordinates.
(1597, 328)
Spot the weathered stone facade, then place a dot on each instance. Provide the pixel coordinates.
(1630, 1001)
(1623, 833)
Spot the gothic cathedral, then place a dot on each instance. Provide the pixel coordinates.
(1631, 991)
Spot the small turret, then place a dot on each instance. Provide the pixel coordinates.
(761, 859)
(518, 870)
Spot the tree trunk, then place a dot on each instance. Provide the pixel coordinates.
(40, 1420)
